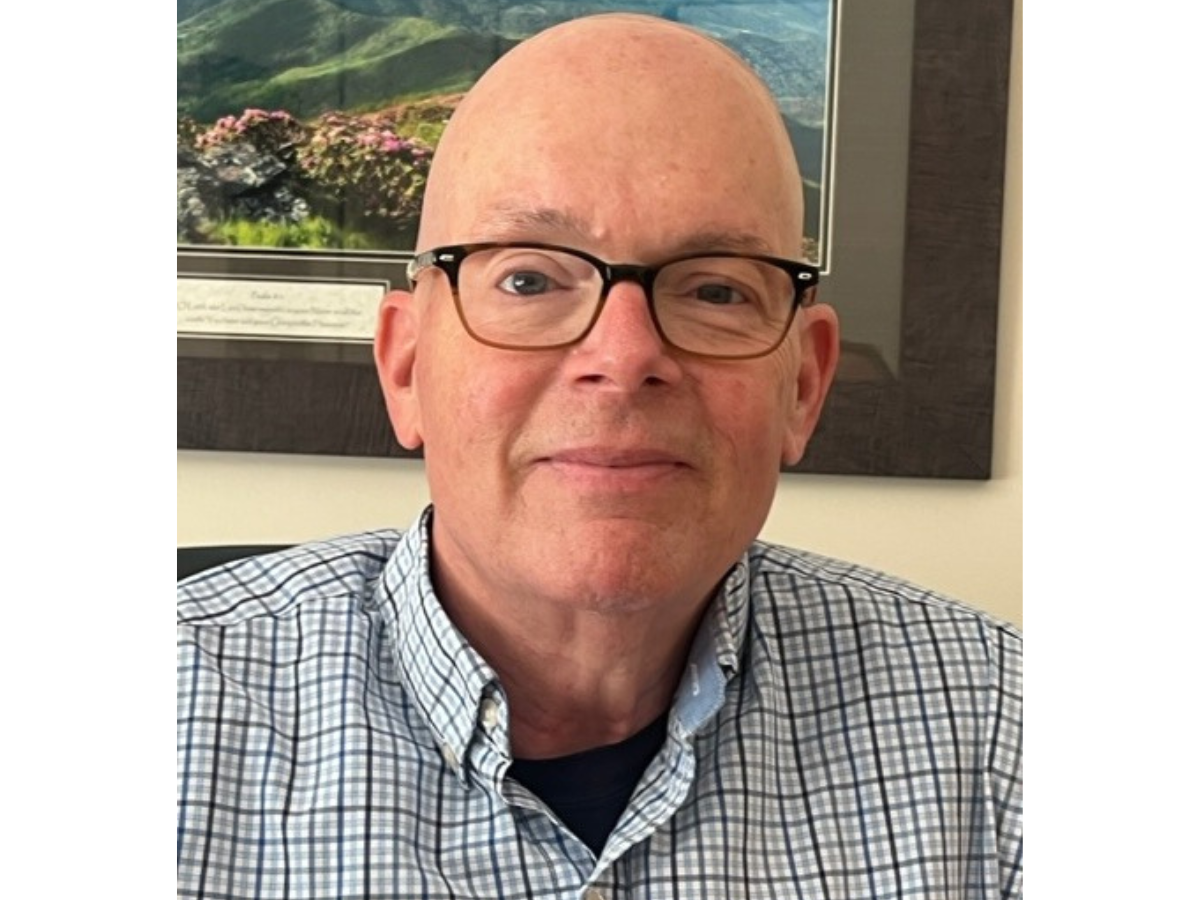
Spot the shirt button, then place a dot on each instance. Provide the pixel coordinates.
(489, 713)
(449, 756)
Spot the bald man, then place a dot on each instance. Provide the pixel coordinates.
(579, 674)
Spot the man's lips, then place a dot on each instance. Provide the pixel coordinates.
(615, 470)
(616, 458)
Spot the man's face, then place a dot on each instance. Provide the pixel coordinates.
(616, 474)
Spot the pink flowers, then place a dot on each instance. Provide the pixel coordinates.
(267, 131)
(363, 159)
(360, 162)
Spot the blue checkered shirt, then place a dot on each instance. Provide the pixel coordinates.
(837, 734)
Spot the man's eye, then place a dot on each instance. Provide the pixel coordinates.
(722, 294)
(527, 283)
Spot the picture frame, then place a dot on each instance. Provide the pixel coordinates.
(924, 411)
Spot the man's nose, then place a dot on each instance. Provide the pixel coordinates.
(623, 349)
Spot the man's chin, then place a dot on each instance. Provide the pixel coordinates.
(624, 562)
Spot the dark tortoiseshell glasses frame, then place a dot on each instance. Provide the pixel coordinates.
(801, 277)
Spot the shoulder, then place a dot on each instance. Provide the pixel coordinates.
(280, 584)
(847, 587)
(845, 610)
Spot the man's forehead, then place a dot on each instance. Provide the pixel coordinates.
(541, 224)
(636, 217)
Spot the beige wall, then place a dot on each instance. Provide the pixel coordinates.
(963, 538)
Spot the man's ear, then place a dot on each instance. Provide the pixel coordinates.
(819, 348)
(395, 363)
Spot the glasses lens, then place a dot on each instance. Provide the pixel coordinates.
(527, 297)
(724, 306)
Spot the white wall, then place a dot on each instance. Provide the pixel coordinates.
(963, 538)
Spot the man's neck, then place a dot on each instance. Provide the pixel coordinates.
(560, 704)
(576, 679)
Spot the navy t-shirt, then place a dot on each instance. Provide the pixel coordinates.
(589, 790)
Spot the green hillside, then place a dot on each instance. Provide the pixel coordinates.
(442, 65)
(309, 56)
(273, 34)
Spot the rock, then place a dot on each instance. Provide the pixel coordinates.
(232, 181)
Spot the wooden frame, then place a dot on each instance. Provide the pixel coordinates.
(930, 417)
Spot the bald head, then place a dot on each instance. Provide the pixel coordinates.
(588, 126)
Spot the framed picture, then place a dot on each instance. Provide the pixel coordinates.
(300, 180)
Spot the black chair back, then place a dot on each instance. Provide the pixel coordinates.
(197, 559)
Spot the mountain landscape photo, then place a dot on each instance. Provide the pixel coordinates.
(311, 123)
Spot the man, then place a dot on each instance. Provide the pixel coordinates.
(578, 675)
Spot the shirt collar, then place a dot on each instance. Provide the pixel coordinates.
(730, 613)
(446, 677)
(715, 656)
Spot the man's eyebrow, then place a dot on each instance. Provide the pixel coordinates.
(555, 226)
(734, 241)
(517, 223)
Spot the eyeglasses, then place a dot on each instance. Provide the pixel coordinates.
(543, 297)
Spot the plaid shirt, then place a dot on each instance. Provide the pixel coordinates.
(837, 734)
